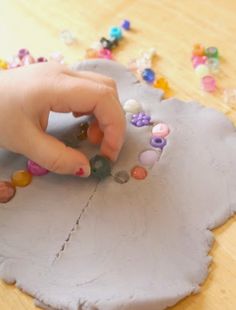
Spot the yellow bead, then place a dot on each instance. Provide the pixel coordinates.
(3, 64)
(162, 84)
(21, 178)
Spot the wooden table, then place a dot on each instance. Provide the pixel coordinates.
(170, 26)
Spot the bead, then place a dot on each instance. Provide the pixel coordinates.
(148, 75)
(208, 83)
(83, 131)
(27, 60)
(202, 70)
(161, 83)
(57, 56)
(108, 44)
(67, 37)
(139, 173)
(198, 60)
(3, 64)
(15, 62)
(91, 53)
(230, 97)
(213, 64)
(21, 178)
(160, 130)
(212, 52)
(22, 53)
(198, 50)
(96, 45)
(158, 142)
(125, 24)
(42, 59)
(121, 177)
(35, 169)
(105, 53)
(140, 119)
(143, 63)
(7, 191)
(149, 157)
(132, 106)
(115, 32)
(100, 167)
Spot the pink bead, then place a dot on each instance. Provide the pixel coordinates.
(208, 83)
(35, 169)
(160, 130)
(28, 60)
(105, 53)
(14, 62)
(198, 60)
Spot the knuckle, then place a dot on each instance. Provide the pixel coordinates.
(106, 90)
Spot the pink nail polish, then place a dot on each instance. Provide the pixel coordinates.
(80, 172)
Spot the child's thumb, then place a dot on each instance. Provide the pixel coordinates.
(53, 155)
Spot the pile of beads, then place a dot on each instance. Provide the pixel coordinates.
(141, 119)
(103, 48)
(205, 63)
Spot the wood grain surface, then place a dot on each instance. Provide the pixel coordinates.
(172, 27)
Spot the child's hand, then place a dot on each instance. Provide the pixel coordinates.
(28, 94)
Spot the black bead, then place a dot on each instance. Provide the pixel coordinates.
(108, 44)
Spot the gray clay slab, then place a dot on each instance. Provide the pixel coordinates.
(86, 245)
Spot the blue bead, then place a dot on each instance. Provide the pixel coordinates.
(125, 24)
(115, 32)
(148, 75)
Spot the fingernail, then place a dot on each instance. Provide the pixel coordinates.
(83, 172)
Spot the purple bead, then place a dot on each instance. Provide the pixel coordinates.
(125, 24)
(22, 53)
(145, 122)
(139, 123)
(148, 75)
(140, 119)
(35, 169)
(42, 59)
(158, 142)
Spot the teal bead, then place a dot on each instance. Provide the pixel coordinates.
(100, 167)
(115, 32)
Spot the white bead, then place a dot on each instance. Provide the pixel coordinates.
(97, 46)
(132, 106)
(67, 37)
(57, 56)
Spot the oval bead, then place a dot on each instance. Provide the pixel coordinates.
(202, 70)
(149, 157)
(7, 191)
(35, 169)
(132, 106)
(139, 173)
(21, 178)
(160, 130)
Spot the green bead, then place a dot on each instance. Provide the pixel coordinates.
(100, 167)
(212, 52)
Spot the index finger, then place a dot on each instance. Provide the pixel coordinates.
(88, 97)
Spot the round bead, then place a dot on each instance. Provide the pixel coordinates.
(160, 130)
(141, 119)
(198, 60)
(125, 24)
(213, 64)
(22, 53)
(148, 75)
(35, 169)
(7, 191)
(161, 83)
(96, 45)
(91, 53)
(208, 83)
(21, 178)
(149, 157)
(42, 59)
(198, 50)
(132, 106)
(158, 142)
(100, 167)
(3, 64)
(201, 70)
(105, 53)
(139, 173)
(212, 52)
(115, 32)
(121, 177)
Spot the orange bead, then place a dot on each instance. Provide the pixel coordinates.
(161, 83)
(21, 178)
(7, 191)
(198, 50)
(91, 53)
(139, 173)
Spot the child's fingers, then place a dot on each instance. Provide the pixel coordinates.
(95, 135)
(53, 155)
(85, 96)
